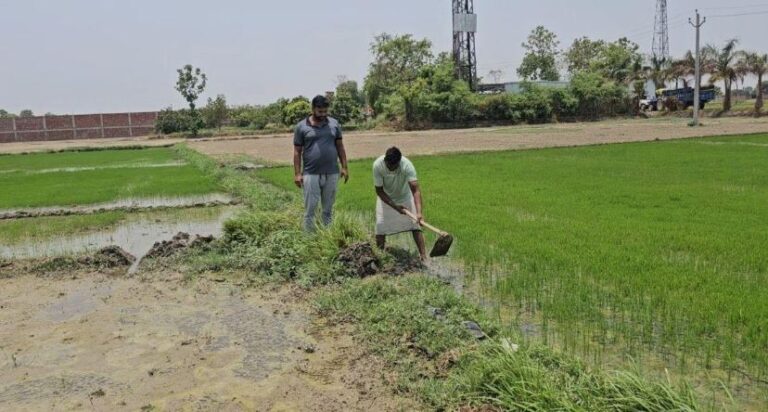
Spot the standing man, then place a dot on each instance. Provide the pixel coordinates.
(398, 190)
(317, 145)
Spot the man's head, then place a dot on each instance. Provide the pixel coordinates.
(320, 106)
(392, 158)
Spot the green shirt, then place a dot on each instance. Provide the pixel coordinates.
(395, 183)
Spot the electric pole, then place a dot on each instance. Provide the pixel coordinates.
(697, 89)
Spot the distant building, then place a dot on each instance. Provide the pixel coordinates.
(518, 87)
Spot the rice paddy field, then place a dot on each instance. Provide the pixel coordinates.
(653, 255)
(88, 177)
(119, 186)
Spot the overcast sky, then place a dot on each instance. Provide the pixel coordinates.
(78, 56)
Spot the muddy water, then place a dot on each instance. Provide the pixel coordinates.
(139, 344)
(136, 235)
(122, 204)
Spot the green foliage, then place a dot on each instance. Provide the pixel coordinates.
(582, 53)
(395, 317)
(540, 61)
(173, 121)
(191, 84)
(720, 63)
(397, 61)
(5, 114)
(619, 61)
(299, 108)
(216, 112)
(26, 113)
(347, 104)
(598, 96)
(754, 64)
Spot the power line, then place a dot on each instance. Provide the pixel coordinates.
(758, 13)
(746, 6)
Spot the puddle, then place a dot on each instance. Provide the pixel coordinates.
(130, 204)
(136, 236)
(89, 168)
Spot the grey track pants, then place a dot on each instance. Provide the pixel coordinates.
(319, 189)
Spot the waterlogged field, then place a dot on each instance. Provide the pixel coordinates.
(79, 178)
(655, 252)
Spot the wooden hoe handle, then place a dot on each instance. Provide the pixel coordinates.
(423, 223)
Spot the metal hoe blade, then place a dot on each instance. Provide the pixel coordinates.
(442, 246)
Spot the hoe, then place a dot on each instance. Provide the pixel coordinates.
(444, 241)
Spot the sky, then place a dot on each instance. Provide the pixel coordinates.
(78, 56)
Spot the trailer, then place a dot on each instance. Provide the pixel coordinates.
(683, 96)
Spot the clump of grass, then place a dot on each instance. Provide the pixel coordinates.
(440, 362)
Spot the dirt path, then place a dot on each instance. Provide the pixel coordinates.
(369, 144)
(104, 343)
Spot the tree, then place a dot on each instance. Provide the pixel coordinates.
(683, 69)
(26, 113)
(496, 75)
(216, 112)
(658, 71)
(721, 66)
(396, 62)
(5, 115)
(582, 53)
(620, 61)
(296, 110)
(190, 85)
(347, 103)
(754, 63)
(540, 61)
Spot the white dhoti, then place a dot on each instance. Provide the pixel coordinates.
(390, 222)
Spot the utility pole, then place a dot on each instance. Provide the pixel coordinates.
(697, 89)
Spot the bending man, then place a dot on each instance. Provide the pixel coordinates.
(398, 190)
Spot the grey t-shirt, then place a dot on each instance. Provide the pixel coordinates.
(320, 155)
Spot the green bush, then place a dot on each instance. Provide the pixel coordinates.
(495, 107)
(250, 116)
(296, 110)
(534, 105)
(173, 121)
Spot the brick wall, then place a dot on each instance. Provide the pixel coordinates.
(80, 126)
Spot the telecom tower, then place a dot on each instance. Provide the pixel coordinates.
(661, 32)
(464, 28)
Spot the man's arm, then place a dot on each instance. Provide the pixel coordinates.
(388, 200)
(298, 179)
(342, 159)
(416, 190)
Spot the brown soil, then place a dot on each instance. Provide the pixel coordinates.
(277, 150)
(90, 341)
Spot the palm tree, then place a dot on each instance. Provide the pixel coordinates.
(683, 69)
(657, 72)
(720, 64)
(754, 63)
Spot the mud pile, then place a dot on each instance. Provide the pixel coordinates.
(181, 241)
(360, 260)
(108, 257)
